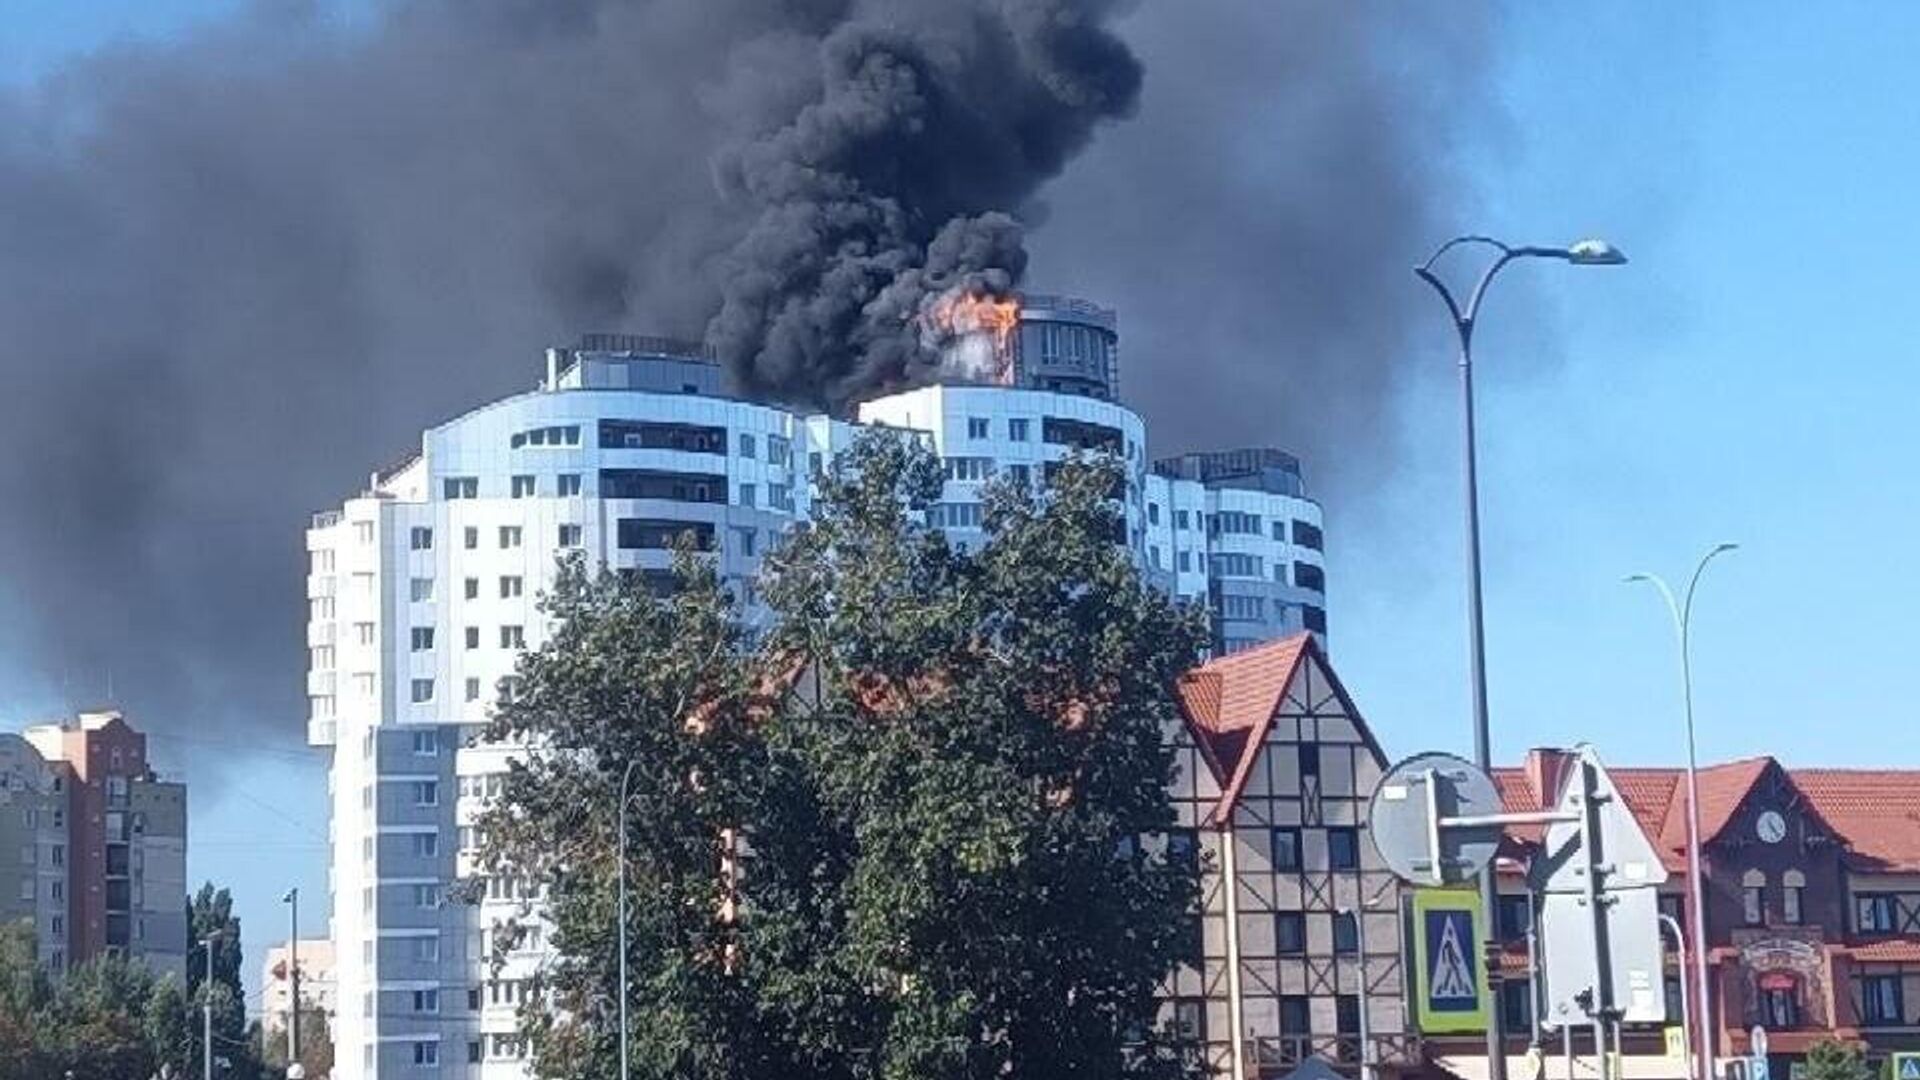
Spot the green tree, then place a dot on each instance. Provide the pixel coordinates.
(316, 1046)
(210, 915)
(1831, 1059)
(934, 779)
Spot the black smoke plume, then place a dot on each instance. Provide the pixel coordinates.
(241, 269)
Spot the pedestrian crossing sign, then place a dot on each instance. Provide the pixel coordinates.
(1906, 1067)
(1452, 992)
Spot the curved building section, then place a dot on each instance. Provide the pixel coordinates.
(983, 432)
(1068, 346)
(1235, 529)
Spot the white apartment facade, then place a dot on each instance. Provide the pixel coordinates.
(316, 983)
(422, 592)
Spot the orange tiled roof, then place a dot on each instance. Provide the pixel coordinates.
(1228, 703)
(1893, 950)
(1874, 812)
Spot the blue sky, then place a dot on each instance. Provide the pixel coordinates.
(1751, 376)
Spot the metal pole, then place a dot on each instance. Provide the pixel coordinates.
(1366, 1031)
(1696, 879)
(1601, 1004)
(293, 975)
(620, 847)
(206, 1012)
(1686, 1024)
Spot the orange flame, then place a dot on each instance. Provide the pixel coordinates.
(962, 314)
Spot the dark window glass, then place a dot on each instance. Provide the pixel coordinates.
(1190, 1020)
(1306, 535)
(662, 533)
(1516, 1004)
(1309, 759)
(1294, 1016)
(1289, 933)
(1313, 618)
(1516, 916)
(1309, 576)
(1286, 849)
(1343, 848)
(1346, 934)
(1346, 1014)
(1183, 849)
(663, 484)
(637, 435)
(1881, 1000)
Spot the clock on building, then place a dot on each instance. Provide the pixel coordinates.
(1771, 827)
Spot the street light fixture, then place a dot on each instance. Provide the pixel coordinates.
(206, 1007)
(1588, 252)
(1682, 612)
(295, 1070)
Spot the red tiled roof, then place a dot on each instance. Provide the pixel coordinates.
(1876, 811)
(1229, 702)
(1893, 950)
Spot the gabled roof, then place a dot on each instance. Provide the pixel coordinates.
(1874, 812)
(1229, 703)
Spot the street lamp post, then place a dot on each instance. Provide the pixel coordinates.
(1583, 253)
(620, 849)
(206, 1009)
(1359, 914)
(294, 1068)
(1682, 612)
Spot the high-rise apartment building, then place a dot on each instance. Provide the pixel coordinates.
(102, 844)
(423, 591)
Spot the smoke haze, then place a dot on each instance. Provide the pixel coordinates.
(242, 270)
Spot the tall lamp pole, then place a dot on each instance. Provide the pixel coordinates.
(1583, 253)
(294, 1069)
(1682, 612)
(206, 1009)
(620, 848)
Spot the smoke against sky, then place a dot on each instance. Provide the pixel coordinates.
(240, 270)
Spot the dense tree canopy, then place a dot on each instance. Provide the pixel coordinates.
(907, 836)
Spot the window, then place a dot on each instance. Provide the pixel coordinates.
(426, 1053)
(421, 589)
(509, 536)
(1514, 918)
(780, 497)
(1294, 1016)
(1233, 606)
(746, 445)
(969, 468)
(1184, 561)
(511, 585)
(954, 516)
(1153, 557)
(513, 637)
(363, 633)
(567, 485)
(1309, 759)
(1236, 564)
(1237, 523)
(524, 487)
(1183, 849)
(426, 897)
(420, 538)
(473, 689)
(1153, 513)
(777, 451)
(1873, 913)
(1190, 1020)
(426, 845)
(1780, 1002)
(1309, 576)
(426, 793)
(1179, 519)
(1346, 1014)
(422, 638)
(1793, 888)
(1516, 1004)
(1753, 897)
(1343, 848)
(747, 495)
(1280, 531)
(978, 427)
(426, 1001)
(473, 637)
(426, 743)
(460, 487)
(422, 691)
(1021, 475)
(1313, 618)
(1881, 1001)
(1019, 429)
(1307, 535)
(363, 531)
(571, 536)
(744, 540)
(1289, 933)
(1346, 934)
(363, 683)
(1673, 906)
(470, 536)
(1286, 849)
(472, 588)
